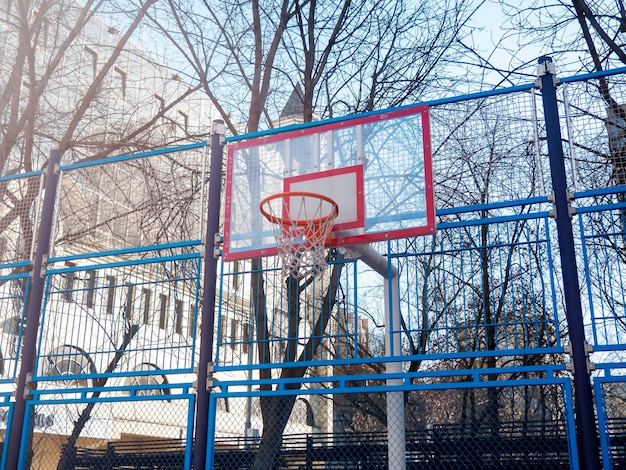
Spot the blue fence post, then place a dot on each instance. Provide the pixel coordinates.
(585, 419)
(208, 296)
(33, 312)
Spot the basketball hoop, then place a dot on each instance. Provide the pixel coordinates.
(303, 222)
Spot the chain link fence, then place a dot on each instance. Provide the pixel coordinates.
(449, 424)
(115, 429)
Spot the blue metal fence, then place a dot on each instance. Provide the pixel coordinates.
(114, 354)
(13, 294)
(476, 372)
(610, 389)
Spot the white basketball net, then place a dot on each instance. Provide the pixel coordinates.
(302, 223)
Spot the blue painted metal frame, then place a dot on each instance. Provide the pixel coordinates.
(6, 403)
(553, 374)
(26, 279)
(21, 175)
(154, 259)
(133, 156)
(603, 419)
(182, 392)
(585, 208)
(223, 389)
(127, 251)
(548, 292)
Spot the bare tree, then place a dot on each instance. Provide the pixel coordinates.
(582, 35)
(351, 56)
(72, 84)
(80, 85)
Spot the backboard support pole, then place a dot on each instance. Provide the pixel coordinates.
(396, 429)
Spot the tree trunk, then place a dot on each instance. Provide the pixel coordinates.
(276, 412)
(69, 449)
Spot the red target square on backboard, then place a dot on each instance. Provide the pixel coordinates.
(342, 185)
(376, 167)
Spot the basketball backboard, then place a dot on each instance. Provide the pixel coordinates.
(377, 167)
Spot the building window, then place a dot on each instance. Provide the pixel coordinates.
(121, 80)
(234, 324)
(179, 317)
(69, 361)
(149, 380)
(110, 294)
(91, 61)
(191, 323)
(146, 295)
(246, 337)
(222, 334)
(163, 311)
(43, 36)
(69, 282)
(130, 300)
(90, 289)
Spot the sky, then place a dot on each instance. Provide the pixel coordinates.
(503, 51)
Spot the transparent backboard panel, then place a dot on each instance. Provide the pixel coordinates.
(391, 150)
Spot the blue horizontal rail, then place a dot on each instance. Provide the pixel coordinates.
(132, 156)
(126, 251)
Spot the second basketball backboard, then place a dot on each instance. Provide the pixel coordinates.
(377, 168)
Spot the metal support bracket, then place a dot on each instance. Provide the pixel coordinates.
(568, 349)
(591, 366)
(217, 246)
(44, 266)
(220, 129)
(30, 385)
(545, 68)
(571, 212)
(210, 368)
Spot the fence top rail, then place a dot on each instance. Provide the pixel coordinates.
(351, 117)
(133, 156)
(18, 176)
(385, 359)
(493, 205)
(126, 251)
(600, 192)
(125, 393)
(16, 264)
(593, 75)
(493, 220)
(437, 102)
(476, 375)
